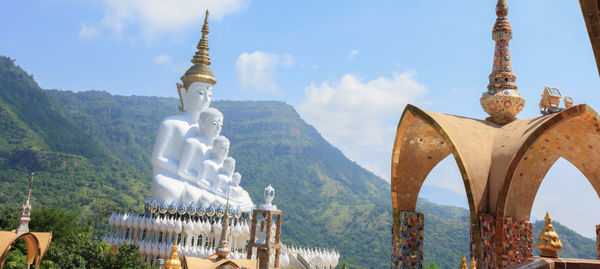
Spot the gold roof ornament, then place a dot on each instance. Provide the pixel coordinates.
(463, 262)
(200, 71)
(502, 101)
(173, 262)
(548, 242)
(473, 263)
(223, 248)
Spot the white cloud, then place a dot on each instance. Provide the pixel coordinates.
(88, 31)
(361, 117)
(257, 70)
(352, 54)
(154, 17)
(161, 59)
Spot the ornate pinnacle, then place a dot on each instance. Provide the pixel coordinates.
(473, 263)
(463, 262)
(25, 215)
(201, 56)
(223, 249)
(501, 8)
(173, 262)
(548, 242)
(501, 100)
(200, 71)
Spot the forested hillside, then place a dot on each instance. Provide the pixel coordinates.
(91, 150)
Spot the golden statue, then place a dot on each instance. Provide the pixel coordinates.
(548, 242)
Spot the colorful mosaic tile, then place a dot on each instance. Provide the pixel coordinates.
(517, 245)
(408, 253)
(487, 224)
(598, 241)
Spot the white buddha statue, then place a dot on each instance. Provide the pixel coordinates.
(224, 174)
(195, 96)
(237, 193)
(215, 157)
(172, 132)
(196, 148)
(197, 187)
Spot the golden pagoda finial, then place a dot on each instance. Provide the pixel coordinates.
(473, 263)
(501, 8)
(463, 262)
(223, 249)
(200, 71)
(548, 242)
(173, 262)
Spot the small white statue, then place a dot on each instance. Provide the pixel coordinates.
(195, 188)
(224, 175)
(269, 195)
(238, 194)
(196, 148)
(172, 132)
(215, 157)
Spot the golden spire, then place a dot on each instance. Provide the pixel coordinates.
(548, 242)
(501, 8)
(173, 262)
(200, 71)
(223, 249)
(463, 262)
(473, 263)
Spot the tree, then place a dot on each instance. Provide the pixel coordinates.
(73, 243)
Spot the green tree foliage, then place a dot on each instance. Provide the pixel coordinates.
(431, 265)
(73, 243)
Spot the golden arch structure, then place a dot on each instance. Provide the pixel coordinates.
(37, 244)
(502, 167)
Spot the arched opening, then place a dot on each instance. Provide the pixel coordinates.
(16, 258)
(443, 201)
(423, 140)
(556, 195)
(33, 251)
(573, 134)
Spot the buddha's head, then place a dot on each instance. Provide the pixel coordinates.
(229, 165)
(220, 147)
(195, 97)
(236, 178)
(210, 122)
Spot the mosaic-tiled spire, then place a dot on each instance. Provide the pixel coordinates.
(502, 101)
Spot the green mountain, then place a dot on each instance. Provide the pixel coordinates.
(73, 167)
(91, 151)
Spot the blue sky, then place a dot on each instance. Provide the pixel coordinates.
(348, 67)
